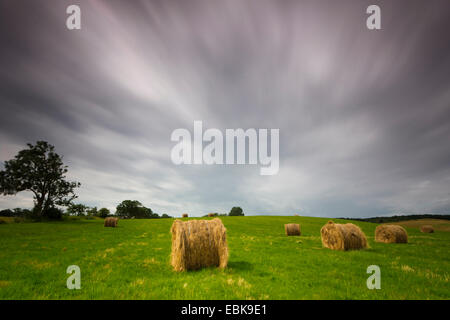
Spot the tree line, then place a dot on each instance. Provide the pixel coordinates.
(41, 171)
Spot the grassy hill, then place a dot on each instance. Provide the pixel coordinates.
(132, 262)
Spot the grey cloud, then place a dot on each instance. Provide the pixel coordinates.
(364, 116)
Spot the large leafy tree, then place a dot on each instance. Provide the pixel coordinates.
(38, 169)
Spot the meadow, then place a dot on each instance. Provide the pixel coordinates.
(132, 261)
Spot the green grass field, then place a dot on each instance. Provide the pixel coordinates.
(132, 262)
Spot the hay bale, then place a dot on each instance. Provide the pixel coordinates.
(343, 236)
(198, 244)
(211, 214)
(184, 215)
(389, 233)
(292, 229)
(427, 228)
(111, 222)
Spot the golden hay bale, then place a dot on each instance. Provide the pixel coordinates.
(111, 222)
(389, 233)
(292, 229)
(343, 236)
(198, 243)
(184, 215)
(427, 228)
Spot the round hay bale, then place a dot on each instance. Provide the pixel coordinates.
(389, 233)
(292, 229)
(184, 215)
(211, 214)
(343, 236)
(427, 228)
(198, 244)
(111, 222)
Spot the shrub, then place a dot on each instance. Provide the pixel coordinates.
(92, 211)
(236, 211)
(53, 213)
(103, 213)
(133, 208)
(77, 209)
(25, 213)
(7, 213)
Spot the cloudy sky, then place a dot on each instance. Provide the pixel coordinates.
(364, 116)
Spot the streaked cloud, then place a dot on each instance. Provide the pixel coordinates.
(364, 116)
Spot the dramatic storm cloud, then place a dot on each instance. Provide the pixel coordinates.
(364, 115)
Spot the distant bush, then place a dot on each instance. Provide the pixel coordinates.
(23, 213)
(103, 213)
(133, 208)
(165, 216)
(53, 214)
(17, 212)
(236, 211)
(92, 211)
(7, 213)
(77, 209)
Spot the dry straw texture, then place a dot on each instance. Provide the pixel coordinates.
(292, 229)
(111, 222)
(343, 236)
(184, 215)
(390, 233)
(427, 228)
(198, 243)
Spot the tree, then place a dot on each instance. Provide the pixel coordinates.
(133, 208)
(92, 211)
(236, 211)
(7, 213)
(77, 209)
(40, 170)
(103, 212)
